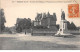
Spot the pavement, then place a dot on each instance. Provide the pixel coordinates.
(28, 42)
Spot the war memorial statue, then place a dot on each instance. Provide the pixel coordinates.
(63, 15)
(63, 26)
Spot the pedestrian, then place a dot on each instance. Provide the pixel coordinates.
(25, 32)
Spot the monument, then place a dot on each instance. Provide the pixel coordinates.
(63, 31)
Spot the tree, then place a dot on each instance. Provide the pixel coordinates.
(2, 20)
(23, 24)
(71, 26)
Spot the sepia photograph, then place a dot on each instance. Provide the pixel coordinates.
(39, 24)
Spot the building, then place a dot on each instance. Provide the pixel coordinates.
(45, 20)
(37, 19)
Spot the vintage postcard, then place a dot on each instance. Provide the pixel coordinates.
(39, 24)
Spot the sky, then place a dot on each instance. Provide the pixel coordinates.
(14, 9)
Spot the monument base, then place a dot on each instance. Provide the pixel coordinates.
(63, 31)
(62, 34)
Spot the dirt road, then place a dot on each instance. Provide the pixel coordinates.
(28, 42)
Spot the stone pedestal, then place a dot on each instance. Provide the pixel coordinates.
(63, 29)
